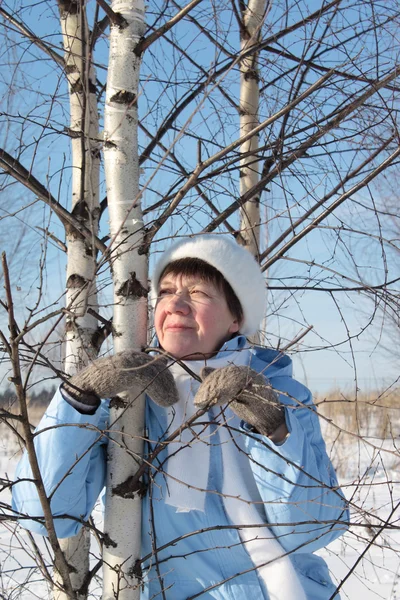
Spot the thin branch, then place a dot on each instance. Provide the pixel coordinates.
(214, 42)
(380, 529)
(302, 149)
(198, 188)
(291, 28)
(192, 180)
(25, 330)
(14, 168)
(296, 339)
(115, 18)
(53, 237)
(59, 558)
(99, 29)
(33, 38)
(189, 58)
(362, 288)
(150, 39)
(320, 68)
(321, 202)
(228, 64)
(314, 223)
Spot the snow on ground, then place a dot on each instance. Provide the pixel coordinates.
(366, 559)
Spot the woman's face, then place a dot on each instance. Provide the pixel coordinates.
(192, 318)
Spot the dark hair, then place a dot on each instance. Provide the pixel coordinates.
(199, 268)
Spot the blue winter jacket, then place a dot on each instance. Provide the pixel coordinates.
(303, 504)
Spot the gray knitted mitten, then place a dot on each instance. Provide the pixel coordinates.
(108, 377)
(248, 394)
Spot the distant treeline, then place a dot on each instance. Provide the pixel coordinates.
(37, 399)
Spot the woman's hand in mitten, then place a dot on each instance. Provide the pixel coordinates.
(247, 393)
(109, 376)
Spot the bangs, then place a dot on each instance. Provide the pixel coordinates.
(195, 267)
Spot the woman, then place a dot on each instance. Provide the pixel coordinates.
(239, 501)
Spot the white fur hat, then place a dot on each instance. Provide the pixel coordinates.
(236, 264)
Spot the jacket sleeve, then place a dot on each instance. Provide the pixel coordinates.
(70, 449)
(296, 479)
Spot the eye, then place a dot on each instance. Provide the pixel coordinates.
(198, 292)
(165, 292)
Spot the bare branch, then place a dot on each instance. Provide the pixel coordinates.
(302, 149)
(150, 39)
(321, 202)
(192, 180)
(60, 561)
(115, 18)
(22, 28)
(315, 222)
(14, 168)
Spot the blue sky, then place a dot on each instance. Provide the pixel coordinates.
(334, 317)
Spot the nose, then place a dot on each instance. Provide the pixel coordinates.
(177, 303)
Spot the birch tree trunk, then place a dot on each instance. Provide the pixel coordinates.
(122, 522)
(80, 346)
(253, 18)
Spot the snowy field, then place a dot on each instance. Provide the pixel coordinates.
(371, 552)
(366, 559)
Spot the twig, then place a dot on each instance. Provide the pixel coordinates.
(14, 168)
(59, 559)
(26, 32)
(146, 42)
(115, 18)
(298, 337)
(53, 237)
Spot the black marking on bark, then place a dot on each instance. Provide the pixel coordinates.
(71, 568)
(117, 402)
(108, 542)
(252, 74)
(108, 144)
(71, 69)
(101, 334)
(92, 87)
(144, 246)
(130, 487)
(81, 211)
(132, 287)
(95, 153)
(119, 21)
(124, 97)
(75, 281)
(77, 87)
(143, 249)
(73, 133)
(88, 250)
(136, 570)
(70, 326)
(68, 7)
(103, 205)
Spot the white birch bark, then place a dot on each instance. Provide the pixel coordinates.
(81, 289)
(122, 521)
(252, 21)
(81, 264)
